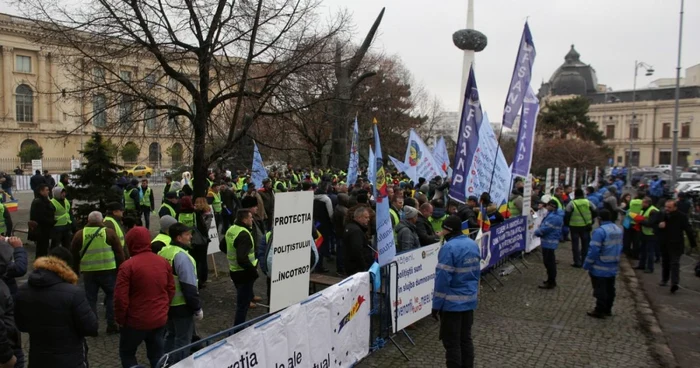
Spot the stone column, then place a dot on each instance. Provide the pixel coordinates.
(8, 91)
(43, 88)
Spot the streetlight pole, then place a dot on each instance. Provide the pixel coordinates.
(650, 71)
(674, 150)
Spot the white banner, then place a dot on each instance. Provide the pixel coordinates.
(567, 180)
(420, 158)
(415, 285)
(74, 165)
(527, 205)
(329, 329)
(36, 165)
(555, 183)
(548, 182)
(574, 179)
(595, 178)
(214, 240)
(482, 169)
(290, 248)
(533, 224)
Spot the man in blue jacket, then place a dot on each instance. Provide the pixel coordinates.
(456, 293)
(550, 232)
(602, 262)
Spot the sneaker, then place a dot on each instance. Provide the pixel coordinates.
(674, 288)
(595, 314)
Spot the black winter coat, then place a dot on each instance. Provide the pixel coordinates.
(426, 234)
(9, 335)
(671, 236)
(359, 256)
(56, 314)
(35, 181)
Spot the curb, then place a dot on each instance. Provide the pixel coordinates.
(647, 318)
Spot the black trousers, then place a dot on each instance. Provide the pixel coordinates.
(604, 293)
(61, 237)
(631, 242)
(670, 265)
(199, 253)
(550, 263)
(42, 240)
(456, 336)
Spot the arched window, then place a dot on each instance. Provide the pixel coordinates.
(30, 150)
(153, 154)
(25, 103)
(99, 113)
(176, 154)
(172, 117)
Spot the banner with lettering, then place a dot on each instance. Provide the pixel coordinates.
(386, 248)
(482, 167)
(503, 240)
(420, 158)
(526, 135)
(440, 154)
(520, 81)
(354, 164)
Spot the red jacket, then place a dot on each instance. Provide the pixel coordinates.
(145, 285)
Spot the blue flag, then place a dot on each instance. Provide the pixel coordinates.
(467, 140)
(520, 81)
(526, 135)
(371, 170)
(385, 233)
(259, 173)
(354, 156)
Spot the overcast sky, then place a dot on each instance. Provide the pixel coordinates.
(609, 35)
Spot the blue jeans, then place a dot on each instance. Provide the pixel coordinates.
(130, 339)
(244, 295)
(105, 280)
(582, 234)
(647, 252)
(178, 333)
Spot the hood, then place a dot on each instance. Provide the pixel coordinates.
(6, 252)
(57, 192)
(343, 199)
(138, 239)
(438, 213)
(612, 188)
(405, 223)
(49, 271)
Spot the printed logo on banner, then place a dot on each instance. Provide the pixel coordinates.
(352, 313)
(415, 154)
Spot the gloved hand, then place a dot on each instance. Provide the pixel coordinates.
(199, 315)
(436, 314)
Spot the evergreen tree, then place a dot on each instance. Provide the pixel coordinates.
(567, 119)
(93, 182)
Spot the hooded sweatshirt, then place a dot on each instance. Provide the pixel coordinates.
(145, 285)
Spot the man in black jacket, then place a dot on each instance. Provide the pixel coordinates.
(671, 230)
(359, 255)
(55, 313)
(426, 233)
(466, 213)
(36, 180)
(41, 218)
(242, 264)
(10, 340)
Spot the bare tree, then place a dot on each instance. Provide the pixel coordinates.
(204, 72)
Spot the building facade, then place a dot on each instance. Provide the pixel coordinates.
(643, 127)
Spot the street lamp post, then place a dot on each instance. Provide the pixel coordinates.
(649, 71)
(674, 150)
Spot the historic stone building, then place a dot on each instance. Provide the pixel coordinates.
(651, 133)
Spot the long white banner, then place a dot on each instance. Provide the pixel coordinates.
(415, 285)
(291, 244)
(329, 329)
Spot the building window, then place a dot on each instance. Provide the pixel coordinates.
(172, 84)
(99, 113)
(125, 75)
(685, 130)
(665, 158)
(634, 131)
(23, 64)
(635, 158)
(154, 154)
(98, 74)
(125, 110)
(150, 80)
(150, 117)
(666, 130)
(172, 116)
(25, 103)
(176, 153)
(610, 131)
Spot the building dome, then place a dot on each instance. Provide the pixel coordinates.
(573, 77)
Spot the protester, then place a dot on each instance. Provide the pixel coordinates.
(53, 310)
(168, 184)
(170, 205)
(17, 267)
(515, 202)
(132, 200)
(268, 199)
(396, 209)
(163, 238)
(41, 220)
(340, 212)
(424, 229)
(62, 232)
(438, 216)
(142, 295)
(406, 234)
(185, 306)
(602, 262)
(113, 220)
(147, 203)
(50, 181)
(671, 229)
(200, 242)
(359, 254)
(550, 234)
(240, 251)
(6, 224)
(98, 253)
(649, 219)
(35, 181)
(6, 184)
(455, 297)
(579, 215)
(495, 217)
(11, 354)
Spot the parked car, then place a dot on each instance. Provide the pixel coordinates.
(688, 176)
(646, 177)
(663, 168)
(638, 175)
(139, 171)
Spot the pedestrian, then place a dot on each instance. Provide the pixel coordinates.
(163, 238)
(113, 219)
(6, 184)
(35, 181)
(54, 311)
(214, 200)
(142, 295)
(602, 262)
(339, 213)
(147, 203)
(50, 181)
(323, 215)
(18, 266)
(438, 216)
(41, 220)
(62, 232)
(648, 219)
(186, 305)
(168, 184)
(200, 243)
(671, 229)
(18, 171)
(550, 234)
(456, 293)
(11, 354)
(240, 251)
(424, 229)
(97, 254)
(579, 215)
(170, 206)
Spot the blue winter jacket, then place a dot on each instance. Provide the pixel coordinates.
(593, 198)
(656, 189)
(550, 229)
(457, 275)
(619, 184)
(604, 250)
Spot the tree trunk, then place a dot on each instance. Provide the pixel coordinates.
(200, 166)
(339, 147)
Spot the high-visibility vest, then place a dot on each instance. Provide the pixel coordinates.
(216, 204)
(240, 183)
(170, 208)
(645, 229)
(3, 226)
(117, 229)
(277, 182)
(581, 214)
(558, 202)
(211, 183)
(146, 200)
(165, 239)
(635, 207)
(231, 235)
(62, 214)
(394, 216)
(60, 185)
(169, 252)
(187, 219)
(437, 223)
(99, 256)
(513, 209)
(128, 201)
